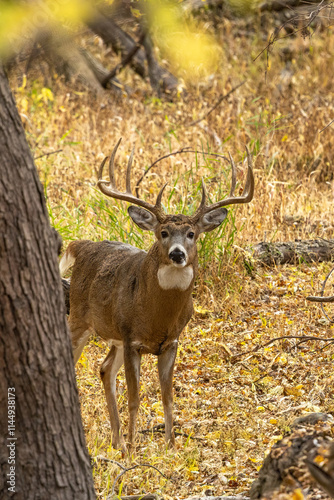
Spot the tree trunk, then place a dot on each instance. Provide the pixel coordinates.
(42, 445)
(123, 43)
(293, 252)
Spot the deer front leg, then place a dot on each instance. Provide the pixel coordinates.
(166, 362)
(108, 373)
(132, 360)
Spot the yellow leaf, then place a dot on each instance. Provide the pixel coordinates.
(294, 391)
(200, 310)
(213, 435)
(273, 421)
(298, 494)
(136, 12)
(47, 95)
(282, 359)
(24, 105)
(260, 408)
(319, 459)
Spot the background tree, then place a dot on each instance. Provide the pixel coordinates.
(48, 31)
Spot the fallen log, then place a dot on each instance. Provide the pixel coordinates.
(293, 252)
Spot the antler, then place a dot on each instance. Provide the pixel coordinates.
(109, 188)
(247, 194)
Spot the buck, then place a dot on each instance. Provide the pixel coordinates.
(140, 301)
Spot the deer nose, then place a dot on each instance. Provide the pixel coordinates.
(177, 256)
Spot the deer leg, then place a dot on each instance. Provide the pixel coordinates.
(132, 360)
(108, 374)
(166, 362)
(80, 335)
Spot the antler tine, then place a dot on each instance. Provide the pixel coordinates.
(99, 175)
(234, 175)
(204, 196)
(158, 202)
(109, 187)
(128, 172)
(247, 194)
(249, 186)
(111, 164)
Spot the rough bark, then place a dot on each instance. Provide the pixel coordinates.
(293, 252)
(285, 469)
(123, 43)
(42, 444)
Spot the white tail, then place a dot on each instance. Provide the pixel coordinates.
(66, 262)
(140, 302)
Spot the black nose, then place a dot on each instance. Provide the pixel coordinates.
(177, 256)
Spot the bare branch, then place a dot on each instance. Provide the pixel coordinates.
(124, 62)
(308, 19)
(303, 338)
(135, 467)
(48, 154)
(220, 100)
(320, 299)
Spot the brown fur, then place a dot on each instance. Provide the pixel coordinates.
(120, 312)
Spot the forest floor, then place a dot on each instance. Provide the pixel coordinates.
(232, 402)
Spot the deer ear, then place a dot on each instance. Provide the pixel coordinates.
(143, 218)
(211, 220)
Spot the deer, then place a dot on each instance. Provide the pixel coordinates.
(138, 301)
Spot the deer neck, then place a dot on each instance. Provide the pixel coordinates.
(170, 277)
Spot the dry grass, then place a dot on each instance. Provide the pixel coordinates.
(234, 411)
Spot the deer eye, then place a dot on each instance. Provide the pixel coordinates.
(164, 234)
(191, 235)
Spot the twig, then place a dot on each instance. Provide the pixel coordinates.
(135, 467)
(180, 151)
(303, 338)
(160, 430)
(145, 496)
(105, 459)
(325, 299)
(328, 125)
(309, 17)
(124, 62)
(48, 154)
(320, 299)
(220, 100)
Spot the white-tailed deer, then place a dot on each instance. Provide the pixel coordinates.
(140, 301)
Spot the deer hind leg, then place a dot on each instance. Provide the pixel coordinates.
(80, 335)
(132, 360)
(166, 362)
(108, 373)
